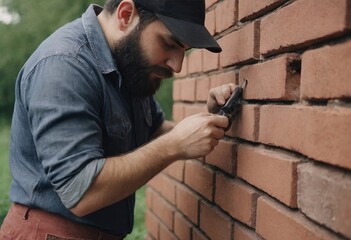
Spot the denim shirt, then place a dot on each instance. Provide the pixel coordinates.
(71, 112)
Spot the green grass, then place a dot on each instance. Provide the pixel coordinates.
(5, 176)
(139, 230)
(5, 180)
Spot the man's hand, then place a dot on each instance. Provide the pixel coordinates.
(217, 97)
(197, 135)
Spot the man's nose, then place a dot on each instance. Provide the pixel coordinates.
(175, 61)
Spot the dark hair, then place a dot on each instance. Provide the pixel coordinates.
(146, 17)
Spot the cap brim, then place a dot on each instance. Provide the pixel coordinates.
(192, 34)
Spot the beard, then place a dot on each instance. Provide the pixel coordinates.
(139, 77)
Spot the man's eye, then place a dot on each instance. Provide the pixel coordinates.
(169, 45)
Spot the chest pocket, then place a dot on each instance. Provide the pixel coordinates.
(117, 137)
(123, 134)
(118, 129)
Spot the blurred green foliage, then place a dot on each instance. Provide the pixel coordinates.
(5, 177)
(37, 20)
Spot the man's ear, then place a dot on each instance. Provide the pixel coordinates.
(126, 14)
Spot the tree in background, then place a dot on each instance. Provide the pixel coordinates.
(37, 20)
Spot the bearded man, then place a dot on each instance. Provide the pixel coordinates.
(87, 131)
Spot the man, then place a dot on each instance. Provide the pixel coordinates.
(87, 132)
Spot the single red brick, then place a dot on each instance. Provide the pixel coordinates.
(246, 124)
(226, 12)
(177, 90)
(191, 109)
(200, 178)
(178, 111)
(182, 227)
(271, 171)
(202, 88)
(166, 233)
(210, 61)
(236, 198)
(322, 133)
(169, 189)
(195, 61)
(276, 222)
(275, 79)
(251, 9)
(223, 156)
(197, 235)
(176, 170)
(239, 46)
(214, 223)
(326, 72)
(244, 233)
(156, 183)
(187, 203)
(222, 78)
(148, 197)
(152, 224)
(210, 22)
(302, 23)
(164, 211)
(188, 89)
(149, 237)
(324, 196)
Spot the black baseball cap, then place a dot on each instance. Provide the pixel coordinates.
(185, 19)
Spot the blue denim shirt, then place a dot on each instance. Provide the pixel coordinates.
(71, 112)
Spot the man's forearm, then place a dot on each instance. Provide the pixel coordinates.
(123, 175)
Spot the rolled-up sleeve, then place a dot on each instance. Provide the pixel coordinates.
(74, 189)
(63, 101)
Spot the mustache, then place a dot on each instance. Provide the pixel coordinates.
(165, 72)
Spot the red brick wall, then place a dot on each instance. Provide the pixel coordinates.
(283, 171)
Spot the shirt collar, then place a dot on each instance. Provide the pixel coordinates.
(97, 40)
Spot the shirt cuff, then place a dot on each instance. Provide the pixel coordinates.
(75, 188)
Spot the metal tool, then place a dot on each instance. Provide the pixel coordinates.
(233, 104)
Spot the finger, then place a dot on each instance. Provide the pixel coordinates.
(216, 97)
(218, 133)
(223, 93)
(232, 86)
(220, 121)
(221, 98)
(214, 142)
(227, 90)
